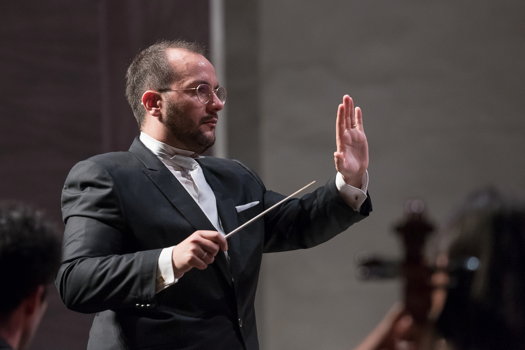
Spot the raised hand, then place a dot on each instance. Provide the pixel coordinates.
(351, 156)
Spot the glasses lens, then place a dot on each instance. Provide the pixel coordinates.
(221, 93)
(204, 93)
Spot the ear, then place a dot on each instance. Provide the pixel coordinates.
(152, 102)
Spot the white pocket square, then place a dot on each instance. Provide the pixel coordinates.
(243, 207)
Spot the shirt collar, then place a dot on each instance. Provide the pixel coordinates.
(163, 150)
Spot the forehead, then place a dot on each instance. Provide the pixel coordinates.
(191, 66)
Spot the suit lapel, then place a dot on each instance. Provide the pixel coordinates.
(183, 202)
(170, 187)
(226, 210)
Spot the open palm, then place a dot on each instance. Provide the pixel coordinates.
(351, 156)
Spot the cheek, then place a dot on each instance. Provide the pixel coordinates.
(192, 111)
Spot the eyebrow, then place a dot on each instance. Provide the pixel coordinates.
(198, 82)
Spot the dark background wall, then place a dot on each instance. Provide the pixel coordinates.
(62, 66)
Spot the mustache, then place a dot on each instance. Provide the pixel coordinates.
(209, 118)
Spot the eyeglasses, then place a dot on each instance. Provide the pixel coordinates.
(204, 93)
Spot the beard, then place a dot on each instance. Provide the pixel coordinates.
(187, 131)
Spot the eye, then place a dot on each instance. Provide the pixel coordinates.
(204, 90)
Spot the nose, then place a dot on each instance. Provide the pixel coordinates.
(215, 103)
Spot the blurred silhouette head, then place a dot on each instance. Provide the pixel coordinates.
(30, 252)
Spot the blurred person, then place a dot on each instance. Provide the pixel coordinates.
(30, 251)
(144, 243)
(478, 301)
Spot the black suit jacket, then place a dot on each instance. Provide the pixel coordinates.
(121, 209)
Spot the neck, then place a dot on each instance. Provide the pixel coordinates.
(158, 147)
(159, 135)
(18, 328)
(11, 333)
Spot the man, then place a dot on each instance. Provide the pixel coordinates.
(29, 258)
(144, 239)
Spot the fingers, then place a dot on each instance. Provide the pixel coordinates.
(215, 237)
(207, 259)
(348, 116)
(339, 128)
(349, 112)
(359, 118)
(198, 251)
(338, 160)
(344, 120)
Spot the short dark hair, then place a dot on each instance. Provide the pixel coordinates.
(30, 253)
(150, 69)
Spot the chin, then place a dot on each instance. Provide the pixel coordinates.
(206, 144)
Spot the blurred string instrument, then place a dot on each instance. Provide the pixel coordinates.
(413, 230)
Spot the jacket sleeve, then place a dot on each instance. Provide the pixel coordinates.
(310, 220)
(307, 221)
(98, 270)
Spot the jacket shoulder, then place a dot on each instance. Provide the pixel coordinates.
(112, 158)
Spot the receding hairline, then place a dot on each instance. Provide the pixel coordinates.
(184, 61)
(183, 49)
(177, 54)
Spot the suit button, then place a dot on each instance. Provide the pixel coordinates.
(240, 322)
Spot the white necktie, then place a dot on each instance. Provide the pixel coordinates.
(193, 180)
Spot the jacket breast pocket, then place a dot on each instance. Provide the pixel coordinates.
(247, 211)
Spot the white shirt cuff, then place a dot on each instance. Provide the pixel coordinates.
(165, 274)
(353, 196)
